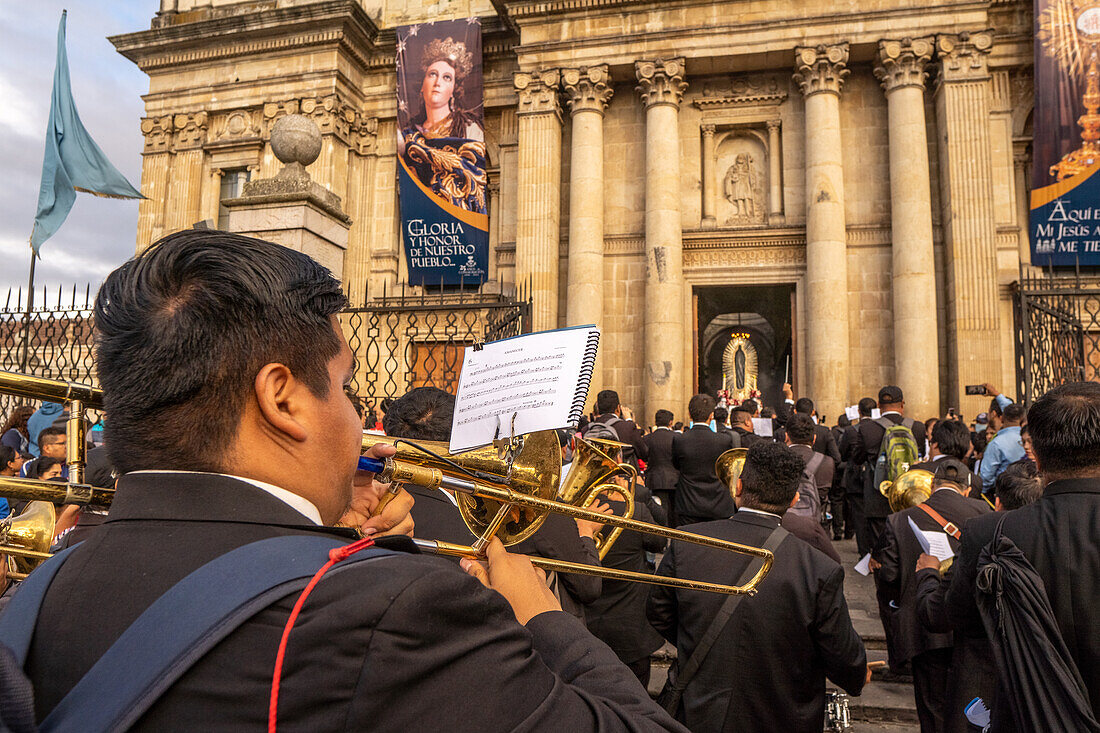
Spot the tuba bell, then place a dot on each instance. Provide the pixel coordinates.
(910, 489)
(593, 471)
(729, 465)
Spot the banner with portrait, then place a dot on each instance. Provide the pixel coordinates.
(1065, 185)
(441, 155)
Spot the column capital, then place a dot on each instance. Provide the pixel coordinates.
(708, 130)
(661, 81)
(964, 56)
(902, 63)
(1021, 159)
(821, 68)
(773, 125)
(587, 89)
(538, 92)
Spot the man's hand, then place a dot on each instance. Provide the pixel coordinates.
(514, 577)
(873, 564)
(990, 390)
(589, 529)
(366, 496)
(927, 562)
(628, 414)
(788, 391)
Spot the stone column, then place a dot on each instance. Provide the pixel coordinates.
(538, 215)
(156, 167)
(1021, 161)
(184, 197)
(662, 85)
(916, 350)
(963, 100)
(709, 221)
(775, 174)
(820, 71)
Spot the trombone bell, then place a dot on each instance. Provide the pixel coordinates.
(26, 539)
(729, 466)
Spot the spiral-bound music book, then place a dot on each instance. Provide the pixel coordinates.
(518, 385)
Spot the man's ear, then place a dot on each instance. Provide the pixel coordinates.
(738, 488)
(794, 500)
(277, 395)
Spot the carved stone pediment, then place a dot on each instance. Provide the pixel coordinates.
(741, 90)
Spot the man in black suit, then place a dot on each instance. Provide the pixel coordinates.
(767, 668)
(425, 413)
(743, 430)
(824, 440)
(865, 450)
(225, 373)
(897, 554)
(621, 420)
(950, 439)
(700, 495)
(661, 476)
(819, 467)
(855, 467)
(1059, 534)
(721, 421)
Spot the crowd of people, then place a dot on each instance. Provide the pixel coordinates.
(239, 336)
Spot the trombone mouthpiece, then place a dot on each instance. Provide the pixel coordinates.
(374, 465)
(388, 470)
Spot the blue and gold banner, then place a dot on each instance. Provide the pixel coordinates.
(1065, 190)
(441, 153)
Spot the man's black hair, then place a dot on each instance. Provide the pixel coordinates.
(800, 429)
(804, 406)
(53, 431)
(607, 401)
(40, 465)
(952, 438)
(740, 417)
(843, 421)
(1014, 413)
(720, 415)
(865, 406)
(769, 478)
(1018, 485)
(678, 426)
(663, 418)
(750, 406)
(7, 455)
(1065, 430)
(767, 412)
(700, 407)
(184, 327)
(423, 413)
(994, 406)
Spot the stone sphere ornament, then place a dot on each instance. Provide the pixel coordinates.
(296, 139)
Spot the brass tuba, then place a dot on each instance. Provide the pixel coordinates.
(910, 489)
(729, 466)
(591, 473)
(26, 539)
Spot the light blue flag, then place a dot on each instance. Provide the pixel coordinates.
(73, 162)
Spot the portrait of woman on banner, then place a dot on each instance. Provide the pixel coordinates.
(441, 142)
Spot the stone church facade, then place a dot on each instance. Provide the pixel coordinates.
(846, 187)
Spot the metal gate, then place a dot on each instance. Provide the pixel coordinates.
(1057, 324)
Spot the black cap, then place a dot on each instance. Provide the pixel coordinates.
(890, 395)
(953, 470)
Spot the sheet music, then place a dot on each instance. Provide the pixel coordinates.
(534, 377)
(933, 543)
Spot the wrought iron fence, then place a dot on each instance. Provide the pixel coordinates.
(1057, 323)
(404, 339)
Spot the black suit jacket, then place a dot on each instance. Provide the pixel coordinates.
(559, 539)
(628, 433)
(975, 478)
(700, 493)
(769, 664)
(1060, 535)
(746, 438)
(898, 551)
(660, 474)
(436, 518)
(824, 441)
(407, 642)
(866, 444)
(617, 617)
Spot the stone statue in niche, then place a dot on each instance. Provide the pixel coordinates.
(743, 191)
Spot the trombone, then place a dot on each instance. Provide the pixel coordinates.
(505, 490)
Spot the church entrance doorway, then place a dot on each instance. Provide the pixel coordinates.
(744, 340)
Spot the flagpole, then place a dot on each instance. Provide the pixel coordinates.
(27, 318)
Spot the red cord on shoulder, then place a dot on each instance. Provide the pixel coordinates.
(334, 556)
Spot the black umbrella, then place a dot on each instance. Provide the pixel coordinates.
(1040, 679)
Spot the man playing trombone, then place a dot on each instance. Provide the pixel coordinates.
(224, 372)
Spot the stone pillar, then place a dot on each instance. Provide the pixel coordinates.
(662, 85)
(820, 71)
(709, 221)
(775, 174)
(184, 197)
(916, 342)
(156, 168)
(291, 209)
(963, 101)
(1021, 161)
(538, 210)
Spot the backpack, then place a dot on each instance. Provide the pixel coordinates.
(897, 451)
(604, 431)
(809, 501)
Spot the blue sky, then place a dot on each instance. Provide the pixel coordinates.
(99, 233)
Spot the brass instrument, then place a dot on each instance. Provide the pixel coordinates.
(729, 466)
(26, 539)
(910, 489)
(485, 483)
(591, 473)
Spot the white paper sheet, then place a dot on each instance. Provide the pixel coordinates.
(863, 567)
(852, 412)
(935, 544)
(762, 426)
(875, 413)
